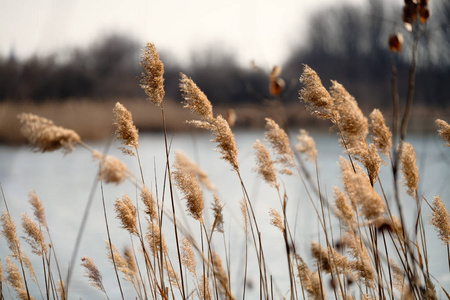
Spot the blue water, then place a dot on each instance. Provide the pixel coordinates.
(64, 182)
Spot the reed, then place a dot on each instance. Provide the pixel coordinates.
(365, 245)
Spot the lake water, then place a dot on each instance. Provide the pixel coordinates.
(64, 182)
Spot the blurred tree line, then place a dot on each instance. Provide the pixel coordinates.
(346, 43)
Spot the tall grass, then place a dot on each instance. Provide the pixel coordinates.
(372, 254)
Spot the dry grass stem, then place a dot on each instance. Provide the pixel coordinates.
(15, 279)
(316, 97)
(34, 238)
(382, 136)
(279, 142)
(409, 168)
(306, 145)
(187, 182)
(194, 99)
(126, 213)
(44, 135)
(264, 164)
(440, 219)
(152, 80)
(92, 273)
(112, 170)
(126, 132)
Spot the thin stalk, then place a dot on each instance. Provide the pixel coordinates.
(109, 240)
(172, 200)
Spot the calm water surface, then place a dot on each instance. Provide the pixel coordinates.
(64, 182)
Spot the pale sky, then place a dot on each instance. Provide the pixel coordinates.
(263, 31)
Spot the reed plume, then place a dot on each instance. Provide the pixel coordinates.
(382, 136)
(310, 281)
(330, 260)
(202, 176)
(120, 262)
(187, 256)
(194, 99)
(264, 164)
(44, 135)
(361, 265)
(15, 279)
(150, 203)
(10, 234)
(221, 274)
(173, 275)
(131, 262)
(204, 290)
(344, 210)
(126, 132)
(152, 80)
(279, 141)
(316, 97)
(112, 170)
(409, 168)
(35, 237)
(126, 213)
(217, 208)
(155, 239)
(440, 219)
(187, 182)
(276, 219)
(353, 126)
(444, 130)
(61, 289)
(38, 208)
(92, 273)
(306, 145)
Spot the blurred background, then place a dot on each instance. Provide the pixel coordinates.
(70, 61)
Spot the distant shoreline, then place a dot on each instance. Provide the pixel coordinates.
(92, 120)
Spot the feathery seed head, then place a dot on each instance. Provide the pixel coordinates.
(191, 165)
(217, 207)
(126, 132)
(330, 260)
(92, 273)
(409, 168)
(372, 163)
(38, 208)
(315, 95)
(126, 213)
(444, 130)
(344, 210)
(279, 142)
(149, 202)
(264, 164)
(306, 145)
(382, 136)
(194, 99)
(44, 135)
(225, 141)
(10, 234)
(187, 256)
(155, 238)
(152, 80)
(361, 265)
(204, 290)
(276, 219)
(187, 182)
(15, 279)
(440, 219)
(34, 238)
(111, 168)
